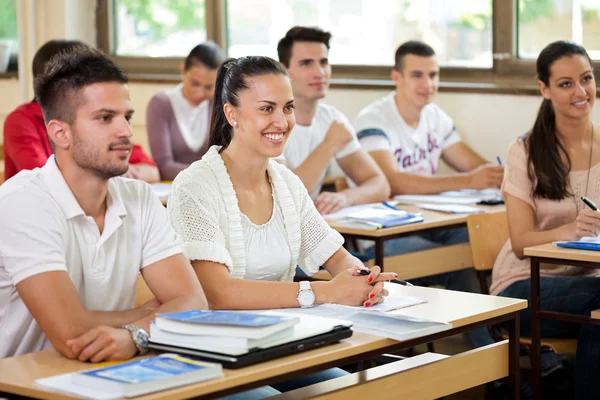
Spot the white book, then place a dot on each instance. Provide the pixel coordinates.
(216, 343)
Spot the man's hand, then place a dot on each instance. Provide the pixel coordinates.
(486, 176)
(103, 343)
(330, 202)
(337, 136)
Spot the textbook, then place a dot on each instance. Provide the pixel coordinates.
(147, 375)
(380, 218)
(223, 323)
(213, 342)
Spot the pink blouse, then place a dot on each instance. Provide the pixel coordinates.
(549, 214)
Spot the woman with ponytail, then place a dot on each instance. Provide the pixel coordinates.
(549, 169)
(246, 220)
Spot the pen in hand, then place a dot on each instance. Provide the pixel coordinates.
(397, 281)
(589, 203)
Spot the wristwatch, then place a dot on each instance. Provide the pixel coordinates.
(306, 297)
(139, 336)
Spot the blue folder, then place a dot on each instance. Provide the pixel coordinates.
(580, 245)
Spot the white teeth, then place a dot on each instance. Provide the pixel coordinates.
(581, 103)
(274, 136)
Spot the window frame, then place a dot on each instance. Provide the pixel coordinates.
(508, 74)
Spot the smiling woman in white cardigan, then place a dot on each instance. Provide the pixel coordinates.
(247, 221)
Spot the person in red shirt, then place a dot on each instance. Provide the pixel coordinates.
(26, 143)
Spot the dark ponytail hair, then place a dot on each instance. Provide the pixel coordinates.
(543, 145)
(232, 79)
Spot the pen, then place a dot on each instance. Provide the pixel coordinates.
(589, 203)
(499, 160)
(388, 205)
(397, 281)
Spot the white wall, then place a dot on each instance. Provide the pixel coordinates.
(488, 123)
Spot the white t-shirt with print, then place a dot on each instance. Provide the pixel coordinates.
(304, 140)
(44, 229)
(380, 126)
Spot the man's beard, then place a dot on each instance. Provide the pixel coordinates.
(87, 157)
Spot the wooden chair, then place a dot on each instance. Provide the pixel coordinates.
(142, 292)
(488, 233)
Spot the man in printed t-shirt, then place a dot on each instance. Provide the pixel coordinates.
(406, 134)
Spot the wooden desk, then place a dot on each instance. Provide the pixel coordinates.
(465, 311)
(552, 254)
(436, 259)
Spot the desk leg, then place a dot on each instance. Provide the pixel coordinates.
(514, 352)
(379, 252)
(534, 351)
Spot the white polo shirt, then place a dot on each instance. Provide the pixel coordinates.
(304, 140)
(44, 229)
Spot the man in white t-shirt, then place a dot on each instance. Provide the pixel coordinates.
(406, 134)
(323, 135)
(75, 235)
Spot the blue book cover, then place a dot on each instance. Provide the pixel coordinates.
(148, 369)
(594, 246)
(224, 318)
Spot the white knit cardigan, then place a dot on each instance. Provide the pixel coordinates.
(204, 211)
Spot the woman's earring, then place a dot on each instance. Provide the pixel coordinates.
(234, 123)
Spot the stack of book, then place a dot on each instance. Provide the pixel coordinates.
(221, 331)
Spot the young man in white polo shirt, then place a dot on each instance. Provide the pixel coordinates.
(322, 133)
(406, 134)
(75, 235)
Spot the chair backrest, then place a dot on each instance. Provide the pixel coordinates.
(142, 292)
(341, 184)
(488, 232)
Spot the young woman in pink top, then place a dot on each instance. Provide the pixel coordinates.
(548, 171)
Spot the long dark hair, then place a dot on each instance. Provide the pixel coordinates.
(543, 145)
(232, 78)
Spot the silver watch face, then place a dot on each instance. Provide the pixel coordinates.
(140, 337)
(306, 298)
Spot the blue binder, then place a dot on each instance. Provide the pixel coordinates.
(580, 245)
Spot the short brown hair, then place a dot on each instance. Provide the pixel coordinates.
(68, 72)
(300, 34)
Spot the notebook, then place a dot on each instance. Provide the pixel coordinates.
(312, 332)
